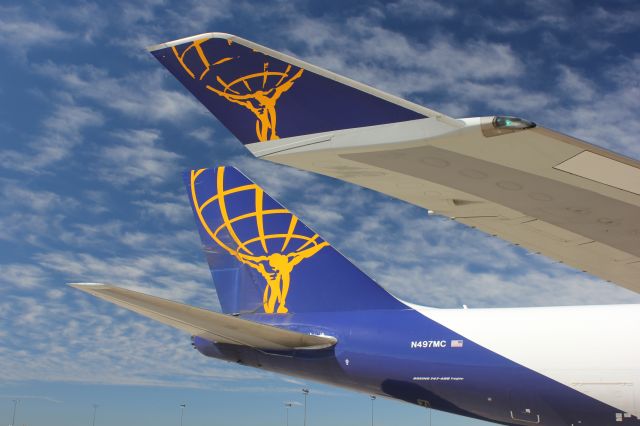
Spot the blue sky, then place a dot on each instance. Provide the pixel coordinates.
(94, 134)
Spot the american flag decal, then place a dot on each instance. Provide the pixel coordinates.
(457, 343)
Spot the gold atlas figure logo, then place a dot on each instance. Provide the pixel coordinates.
(275, 267)
(258, 92)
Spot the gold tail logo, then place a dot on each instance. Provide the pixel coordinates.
(276, 267)
(258, 92)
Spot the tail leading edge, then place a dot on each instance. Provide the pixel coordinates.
(262, 95)
(264, 259)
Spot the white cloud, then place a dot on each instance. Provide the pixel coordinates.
(52, 227)
(382, 49)
(86, 19)
(426, 9)
(605, 114)
(470, 71)
(196, 15)
(24, 227)
(604, 20)
(509, 99)
(139, 160)
(20, 31)
(21, 276)
(149, 22)
(574, 85)
(60, 133)
(539, 15)
(138, 13)
(203, 134)
(55, 294)
(140, 94)
(16, 195)
(163, 275)
(173, 212)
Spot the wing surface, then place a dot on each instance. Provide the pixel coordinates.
(210, 325)
(547, 192)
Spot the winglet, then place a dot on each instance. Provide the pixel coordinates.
(261, 95)
(190, 39)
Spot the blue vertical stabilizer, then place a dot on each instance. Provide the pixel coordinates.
(264, 259)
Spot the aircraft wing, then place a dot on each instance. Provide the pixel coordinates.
(209, 325)
(550, 193)
(547, 192)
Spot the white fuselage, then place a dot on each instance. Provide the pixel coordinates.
(592, 349)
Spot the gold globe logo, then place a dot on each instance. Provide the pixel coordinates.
(274, 266)
(258, 91)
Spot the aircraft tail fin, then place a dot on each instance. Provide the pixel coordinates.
(262, 95)
(263, 259)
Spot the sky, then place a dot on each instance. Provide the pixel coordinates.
(94, 135)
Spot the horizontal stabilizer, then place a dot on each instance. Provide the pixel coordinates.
(209, 325)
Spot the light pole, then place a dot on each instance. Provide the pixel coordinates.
(15, 405)
(95, 408)
(306, 394)
(182, 407)
(287, 405)
(373, 398)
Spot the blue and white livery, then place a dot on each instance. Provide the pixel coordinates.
(293, 304)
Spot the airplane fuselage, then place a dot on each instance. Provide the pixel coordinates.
(552, 366)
